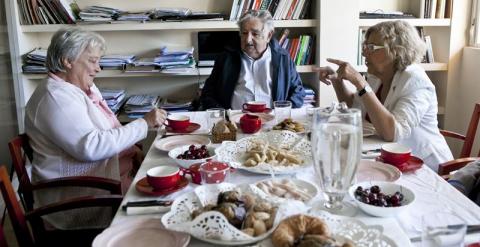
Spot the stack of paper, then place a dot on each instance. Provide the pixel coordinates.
(116, 61)
(114, 98)
(138, 105)
(99, 13)
(35, 61)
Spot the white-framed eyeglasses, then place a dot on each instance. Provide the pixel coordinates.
(372, 47)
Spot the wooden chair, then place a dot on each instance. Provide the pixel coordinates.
(20, 150)
(469, 137)
(41, 236)
(446, 168)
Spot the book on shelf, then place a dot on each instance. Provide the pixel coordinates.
(428, 42)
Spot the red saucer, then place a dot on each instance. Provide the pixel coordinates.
(144, 187)
(267, 110)
(413, 164)
(191, 128)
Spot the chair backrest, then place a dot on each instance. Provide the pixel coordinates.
(17, 217)
(471, 131)
(20, 149)
(469, 137)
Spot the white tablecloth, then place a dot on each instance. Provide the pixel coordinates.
(432, 192)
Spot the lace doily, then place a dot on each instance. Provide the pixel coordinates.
(234, 152)
(210, 226)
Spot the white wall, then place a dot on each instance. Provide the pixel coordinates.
(462, 99)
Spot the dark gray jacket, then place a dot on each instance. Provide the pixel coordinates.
(219, 87)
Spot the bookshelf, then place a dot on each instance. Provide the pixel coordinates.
(142, 39)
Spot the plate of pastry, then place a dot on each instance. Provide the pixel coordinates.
(223, 214)
(277, 152)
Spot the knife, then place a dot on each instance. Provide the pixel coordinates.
(470, 229)
(147, 204)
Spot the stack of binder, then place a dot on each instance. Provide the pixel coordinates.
(138, 105)
(34, 62)
(114, 98)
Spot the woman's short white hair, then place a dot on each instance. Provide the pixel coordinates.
(69, 44)
(263, 15)
(402, 42)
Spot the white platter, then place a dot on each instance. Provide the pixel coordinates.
(211, 226)
(349, 229)
(168, 143)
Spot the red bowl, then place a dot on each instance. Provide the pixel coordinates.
(214, 172)
(395, 154)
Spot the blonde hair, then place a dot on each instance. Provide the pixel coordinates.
(402, 42)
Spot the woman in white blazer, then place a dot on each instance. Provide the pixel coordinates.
(396, 96)
(71, 129)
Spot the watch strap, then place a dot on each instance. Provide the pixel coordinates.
(364, 90)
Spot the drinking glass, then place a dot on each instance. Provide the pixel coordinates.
(442, 229)
(283, 110)
(214, 115)
(336, 150)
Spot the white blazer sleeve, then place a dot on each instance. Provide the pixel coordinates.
(66, 119)
(410, 108)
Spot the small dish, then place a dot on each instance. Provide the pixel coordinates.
(143, 186)
(413, 163)
(378, 171)
(387, 188)
(168, 143)
(191, 128)
(280, 188)
(186, 163)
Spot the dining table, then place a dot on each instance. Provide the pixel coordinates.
(432, 192)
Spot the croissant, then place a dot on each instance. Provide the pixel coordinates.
(295, 227)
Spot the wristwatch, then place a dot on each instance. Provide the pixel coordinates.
(366, 89)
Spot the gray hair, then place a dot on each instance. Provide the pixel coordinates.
(402, 42)
(263, 15)
(70, 44)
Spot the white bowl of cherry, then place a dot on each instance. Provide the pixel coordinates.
(187, 155)
(382, 199)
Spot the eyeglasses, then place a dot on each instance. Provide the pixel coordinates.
(371, 47)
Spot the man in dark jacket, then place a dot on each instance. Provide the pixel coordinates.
(259, 70)
(467, 181)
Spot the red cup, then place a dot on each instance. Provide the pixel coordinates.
(250, 123)
(163, 177)
(395, 154)
(194, 172)
(255, 106)
(178, 122)
(214, 172)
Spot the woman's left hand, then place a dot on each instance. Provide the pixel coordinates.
(347, 72)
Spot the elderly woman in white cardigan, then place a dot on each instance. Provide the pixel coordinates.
(71, 129)
(397, 96)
